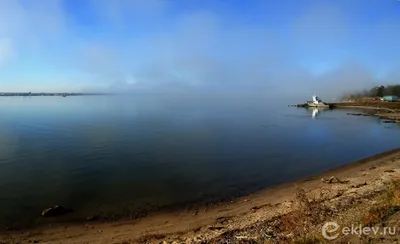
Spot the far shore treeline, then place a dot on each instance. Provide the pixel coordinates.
(377, 91)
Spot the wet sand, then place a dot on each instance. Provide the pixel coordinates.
(208, 223)
(389, 111)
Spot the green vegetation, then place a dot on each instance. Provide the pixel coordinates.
(378, 91)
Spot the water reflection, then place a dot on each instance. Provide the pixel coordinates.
(316, 112)
(120, 156)
(8, 144)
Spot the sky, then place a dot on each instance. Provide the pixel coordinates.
(286, 47)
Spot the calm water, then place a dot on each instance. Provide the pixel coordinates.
(122, 156)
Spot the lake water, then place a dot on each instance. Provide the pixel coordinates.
(121, 156)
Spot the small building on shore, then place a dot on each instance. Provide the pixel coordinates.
(390, 99)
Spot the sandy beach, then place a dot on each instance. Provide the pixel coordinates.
(230, 222)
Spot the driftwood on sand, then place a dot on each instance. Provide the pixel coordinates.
(334, 179)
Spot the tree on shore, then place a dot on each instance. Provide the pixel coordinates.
(377, 91)
(381, 91)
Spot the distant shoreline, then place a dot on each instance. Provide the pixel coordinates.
(368, 105)
(39, 94)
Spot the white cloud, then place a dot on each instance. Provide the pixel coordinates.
(322, 22)
(7, 52)
(199, 49)
(99, 58)
(29, 24)
(124, 12)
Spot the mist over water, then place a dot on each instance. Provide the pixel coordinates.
(121, 156)
(178, 47)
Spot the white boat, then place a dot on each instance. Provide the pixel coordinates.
(317, 102)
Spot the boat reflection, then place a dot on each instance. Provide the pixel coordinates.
(315, 112)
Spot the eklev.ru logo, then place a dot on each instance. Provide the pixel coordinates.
(332, 230)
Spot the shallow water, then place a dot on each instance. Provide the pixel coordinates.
(117, 156)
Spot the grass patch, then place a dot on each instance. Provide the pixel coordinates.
(386, 205)
(307, 240)
(303, 224)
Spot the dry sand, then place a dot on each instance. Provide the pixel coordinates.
(211, 222)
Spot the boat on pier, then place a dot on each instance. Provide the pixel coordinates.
(317, 103)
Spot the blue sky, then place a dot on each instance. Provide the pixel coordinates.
(290, 46)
